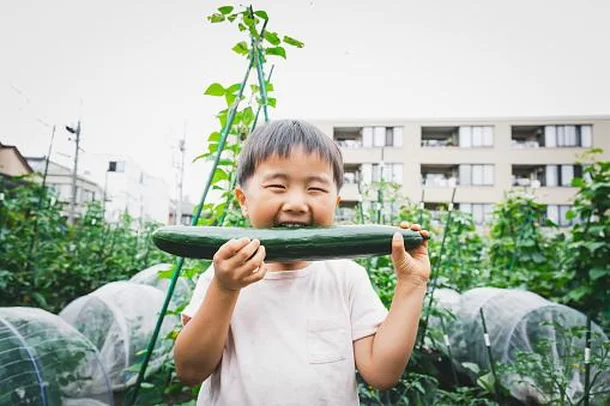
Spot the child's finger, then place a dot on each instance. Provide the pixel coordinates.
(404, 224)
(243, 255)
(228, 249)
(253, 263)
(258, 275)
(415, 227)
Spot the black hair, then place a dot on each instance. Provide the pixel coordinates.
(279, 138)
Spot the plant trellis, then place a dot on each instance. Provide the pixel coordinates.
(255, 59)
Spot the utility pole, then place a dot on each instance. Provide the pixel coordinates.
(182, 147)
(76, 132)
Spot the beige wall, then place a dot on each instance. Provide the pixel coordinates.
(502, 155)
(10, 164)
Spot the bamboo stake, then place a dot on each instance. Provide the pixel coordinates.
(587, 361)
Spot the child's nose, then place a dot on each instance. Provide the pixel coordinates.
(296, 202)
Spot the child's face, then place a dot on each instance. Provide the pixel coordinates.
(299, 189)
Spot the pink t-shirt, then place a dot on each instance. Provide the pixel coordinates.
(291, 337)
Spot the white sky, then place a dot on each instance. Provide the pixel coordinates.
(135, 71)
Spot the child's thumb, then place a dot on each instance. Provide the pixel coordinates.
(399, 255)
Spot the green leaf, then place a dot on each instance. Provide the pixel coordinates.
(234, 88)
(271, 101)
(472, 367)
(279, 51)
(597, 273)
(241, 48)
(216, 18)
(269, 87)
(232, 17)
(262, 14)
(272, 38)
(219, 175)
(578, 182)
(215, 89)
(226, 9)
(230, 98)
(214, 137)
(294, 42)
(487, 382)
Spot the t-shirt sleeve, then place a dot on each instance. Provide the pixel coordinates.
(203, 282)
(367, 311)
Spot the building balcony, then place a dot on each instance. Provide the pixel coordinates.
(439, 137)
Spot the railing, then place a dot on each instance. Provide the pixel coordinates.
(433, 180)
(349, 143)
(436, 143)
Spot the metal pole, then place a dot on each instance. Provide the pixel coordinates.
(587, 361)
(76, 132)
(437, 268)
(178, 219)
(489, 355)
(448, 346)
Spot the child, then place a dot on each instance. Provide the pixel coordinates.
(294, 333)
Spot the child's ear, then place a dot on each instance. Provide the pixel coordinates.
(241, 198)
(338, 200)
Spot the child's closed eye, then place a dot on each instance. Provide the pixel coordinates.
(317, 189)
(276, 187)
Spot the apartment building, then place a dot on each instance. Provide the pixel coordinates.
(480, 158)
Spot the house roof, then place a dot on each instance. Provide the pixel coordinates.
(18, 155)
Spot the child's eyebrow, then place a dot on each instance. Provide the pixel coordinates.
(283, 176)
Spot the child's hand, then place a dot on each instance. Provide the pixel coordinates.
(238, 263)
(413, 266)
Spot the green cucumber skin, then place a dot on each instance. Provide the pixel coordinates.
(285, 244)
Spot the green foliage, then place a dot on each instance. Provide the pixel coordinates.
(521, 254)
(46, 263)
(588, 246)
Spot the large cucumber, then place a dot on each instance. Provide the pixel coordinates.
(286, 244)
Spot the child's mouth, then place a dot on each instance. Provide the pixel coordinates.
(292, 225)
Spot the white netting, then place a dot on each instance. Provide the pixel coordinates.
(119, 319)
(45, 361)
(522, 322)
(150, 277)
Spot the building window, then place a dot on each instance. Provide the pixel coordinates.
(476, 136)
(116, 166)
(558, 214)
(562, 175)
(476, 175)
(481, 212)
(382, 137)
(552, 136)
(390, 172)
(563, 136)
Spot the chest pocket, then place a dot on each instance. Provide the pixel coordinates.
(326, 341)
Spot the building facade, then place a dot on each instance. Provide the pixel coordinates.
(480, 158)
(129, 189)
(59, 179)
(12, 163)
